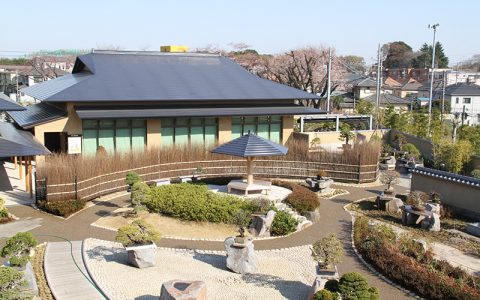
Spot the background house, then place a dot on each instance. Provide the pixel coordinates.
(464, 102)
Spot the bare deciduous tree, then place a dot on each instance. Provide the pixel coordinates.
(389, 178)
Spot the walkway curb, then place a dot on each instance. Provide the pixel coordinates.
(87, 267)
(370, 267)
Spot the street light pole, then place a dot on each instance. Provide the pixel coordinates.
(434, 26)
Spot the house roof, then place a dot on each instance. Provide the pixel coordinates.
(463, 89)
(411, 86)
(387, 99)
(364, 82)
(251, 145)
(16, 142)
(109, 76)
(106, 112)
(37, 114)
(6, 104)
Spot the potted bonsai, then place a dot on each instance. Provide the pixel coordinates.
(17, 249)
(139, 240)
(346, 135)
(242, 220)
(323, 181)
(328, 252)
(198, 171)
(416, 199)
(389, 178)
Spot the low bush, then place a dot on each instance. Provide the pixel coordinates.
(4, 215)
(475, 173)
(325, 295)
(63, 208)
(283, 224)
(262, 205)
(426, 276)
(353, 286)
(301, 199)
(191, 202)
(138, 233)
(132, 178)
(11, 282)
(17, 248)
(412, 150)
(141, 195)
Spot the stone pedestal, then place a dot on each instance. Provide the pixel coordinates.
(241, 258)
(323, 275)
(323, 185)
(261, 224)
(183, 290)
(142, 256)
(393, 206)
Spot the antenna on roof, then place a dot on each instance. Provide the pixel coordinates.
(92, 50)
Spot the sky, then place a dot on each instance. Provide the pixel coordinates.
(269, 26)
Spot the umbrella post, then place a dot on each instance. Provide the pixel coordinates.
(249, 170)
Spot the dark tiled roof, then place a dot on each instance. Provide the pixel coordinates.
(16, 142)
(412, 86)
(146, 76)
(364, 82)
(37, 114)
(386, 99)
(251, 145)
(463, 89)
(6, 104)
(99, 112)
(448, 176)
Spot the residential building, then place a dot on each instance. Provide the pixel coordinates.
(464, 102)
(124, 101)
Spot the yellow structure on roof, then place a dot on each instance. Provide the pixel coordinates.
(173, 48)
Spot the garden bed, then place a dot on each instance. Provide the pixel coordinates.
(37, 262)
(368, 208)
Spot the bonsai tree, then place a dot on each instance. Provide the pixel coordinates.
(389, 178)
(11, 284)
(328, 250)
(242, 219)
(3, 210)
(262, 205)
(18, 247)
(315, 142)
(354, 286)
(416, 199)
(413, 152)
(321, 174)
(140, 196)
(132, 178)
(138, 233)
(346, 133)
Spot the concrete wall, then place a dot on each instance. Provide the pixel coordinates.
(71, 125)
(463, 198)
(333, 137)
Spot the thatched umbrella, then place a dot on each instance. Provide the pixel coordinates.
(250, 146)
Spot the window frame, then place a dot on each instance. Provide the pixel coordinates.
(257, 122)
(173, 124)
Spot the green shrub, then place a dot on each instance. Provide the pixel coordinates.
(17, 248)
(325, 295)
(262, 205)
(63, 208)
(4, 213)
(140, 195)
(11, 281)
(283, 224)
(132, 178)
(412, 150)
(475, 173)
(332, 285)
(191, 202)
(138, 233)
(328, 250)
(353, 286)
(301, 199)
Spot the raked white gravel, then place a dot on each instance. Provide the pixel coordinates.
(282, 274)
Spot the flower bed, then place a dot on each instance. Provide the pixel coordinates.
(402, 262)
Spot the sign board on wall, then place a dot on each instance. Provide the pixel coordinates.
(74, 144)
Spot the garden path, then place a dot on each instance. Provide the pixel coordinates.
(334, 219)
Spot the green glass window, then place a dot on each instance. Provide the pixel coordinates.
(237, 131)
(122, 140)
(196, 135)
(275, 132)
(263, 130)
(106, 139)
(167, 136)
(182, 131)
(89, 141)
(269, 127)
(138, 138)
(181, 135)
(210, 135)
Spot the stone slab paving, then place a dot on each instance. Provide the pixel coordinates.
(23, 225)
(64, 278)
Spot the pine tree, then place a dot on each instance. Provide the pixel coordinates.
(424, 59)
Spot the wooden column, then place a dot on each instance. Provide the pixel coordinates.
(27, 182)
(20, 166)
(15, 162)
(30, 176)
(249, 170)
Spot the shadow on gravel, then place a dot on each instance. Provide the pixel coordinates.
(339, 200)
(108, 254)
(376, 192)
(146, 297)
(215, 260)
(288, 288)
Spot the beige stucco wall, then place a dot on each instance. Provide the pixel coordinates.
(71, 125)
(154, 133)
(287, 128)
(333, 137)
(224, 129)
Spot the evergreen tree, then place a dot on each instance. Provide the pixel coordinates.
(424, 59)
(400, 55)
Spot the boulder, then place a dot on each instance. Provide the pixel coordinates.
(241, 258)
(142, 256)
(313, 216)
(433, 207)
(474, 229)
(261, 224)
(183, 290)
(393, 206)
(431, 223)
(304, 225)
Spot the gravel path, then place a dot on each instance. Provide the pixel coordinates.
(282, 274)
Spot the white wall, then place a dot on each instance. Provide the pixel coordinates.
(472, 108)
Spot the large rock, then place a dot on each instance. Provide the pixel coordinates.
(313, 216)
(241, 258)
(261, 224)
(393, 206)
(474, 229)
(183, 290)
(433, 207)
(303, 225)
(142, 256)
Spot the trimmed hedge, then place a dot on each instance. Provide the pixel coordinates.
(191, 202)
(283, 224)
(426, 276)
(62, 208)
(301, 199)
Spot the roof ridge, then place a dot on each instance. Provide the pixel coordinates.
(152, 53)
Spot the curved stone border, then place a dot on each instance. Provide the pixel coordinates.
(370, 267)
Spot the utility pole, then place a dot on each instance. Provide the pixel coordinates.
(379, 69)
(443, 92)
(329, 68)
(463, 115)
(16, 92)
(432, 78)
